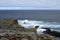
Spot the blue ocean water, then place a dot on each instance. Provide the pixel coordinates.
(43, 15)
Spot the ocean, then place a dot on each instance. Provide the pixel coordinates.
(39, 15)
(42, 15)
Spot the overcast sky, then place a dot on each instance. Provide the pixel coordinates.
(30, 4)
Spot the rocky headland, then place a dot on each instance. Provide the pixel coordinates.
(10, 30)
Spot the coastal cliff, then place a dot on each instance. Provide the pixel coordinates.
(10, 30)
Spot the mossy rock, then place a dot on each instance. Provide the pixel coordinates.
(18, 37)
(31, 29)
(45, 37)
(18, 27)
(10, 21)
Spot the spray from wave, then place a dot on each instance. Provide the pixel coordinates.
(42, 24)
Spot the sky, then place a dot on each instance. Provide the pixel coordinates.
(30, 4)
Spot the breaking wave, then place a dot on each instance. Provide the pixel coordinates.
(42, 24)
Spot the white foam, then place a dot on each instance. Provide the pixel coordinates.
(41, 24)
(40, 31)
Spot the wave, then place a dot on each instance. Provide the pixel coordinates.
(29, 23)
(54, 26)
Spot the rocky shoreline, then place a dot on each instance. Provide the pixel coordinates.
(10, 30)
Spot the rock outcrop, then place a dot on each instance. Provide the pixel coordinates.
(10, 30)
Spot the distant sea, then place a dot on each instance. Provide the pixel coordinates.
(42, 15)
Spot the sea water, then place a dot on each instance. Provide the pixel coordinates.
(54, 26)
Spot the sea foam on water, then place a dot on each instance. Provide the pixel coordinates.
(32, 23)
